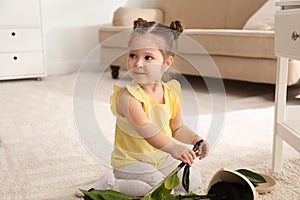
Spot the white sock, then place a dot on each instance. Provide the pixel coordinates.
(134, 188)
(105, 182)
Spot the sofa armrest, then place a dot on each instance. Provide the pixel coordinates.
(124, 16)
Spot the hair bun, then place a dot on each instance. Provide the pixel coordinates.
(138, 23)
(176, 26)
(142, 23)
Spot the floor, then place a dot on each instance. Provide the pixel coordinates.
(48, 147)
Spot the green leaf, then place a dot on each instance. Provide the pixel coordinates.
(253, 177)
(166, 191)
(87, 198)
(106, 195)
(186, 178)
(91, 195)
(192, 196)
(113, 195)
(170, 197)
(147, 197)
(158, 193)
(171, 182)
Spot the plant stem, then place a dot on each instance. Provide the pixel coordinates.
(171, 174)
(181, 165)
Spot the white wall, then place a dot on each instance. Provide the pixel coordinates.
(71, 29)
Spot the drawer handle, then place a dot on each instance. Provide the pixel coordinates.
(15, 57)
(13, 33)
(295, 36)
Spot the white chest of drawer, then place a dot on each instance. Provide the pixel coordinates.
(287, 41)
(287, 47)
(21, 40)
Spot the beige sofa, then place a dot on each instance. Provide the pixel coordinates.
(240, 47)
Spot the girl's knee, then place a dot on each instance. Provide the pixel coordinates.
(152, 178)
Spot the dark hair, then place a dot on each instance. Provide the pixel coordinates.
(169, 33)
(175, 27)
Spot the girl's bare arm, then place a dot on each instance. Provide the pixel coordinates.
(132, 110)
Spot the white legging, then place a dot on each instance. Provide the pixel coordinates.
(138, 178)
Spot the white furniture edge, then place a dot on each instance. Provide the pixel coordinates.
(286, 119)
(40, 26)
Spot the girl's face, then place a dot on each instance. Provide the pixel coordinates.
(146, 63)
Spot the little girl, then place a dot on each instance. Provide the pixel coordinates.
(149, 116)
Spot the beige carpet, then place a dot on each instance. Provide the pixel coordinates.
(42, 156)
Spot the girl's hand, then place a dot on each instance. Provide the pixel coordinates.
(180, 152)
(187, 156)
(203, 150)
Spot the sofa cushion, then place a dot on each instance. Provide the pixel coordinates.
(224, 42)
(239, 43)
(124, 16)
(263, 19)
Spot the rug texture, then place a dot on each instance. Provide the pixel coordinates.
(43, 153)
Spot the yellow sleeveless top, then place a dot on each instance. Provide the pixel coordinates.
(129, 147)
